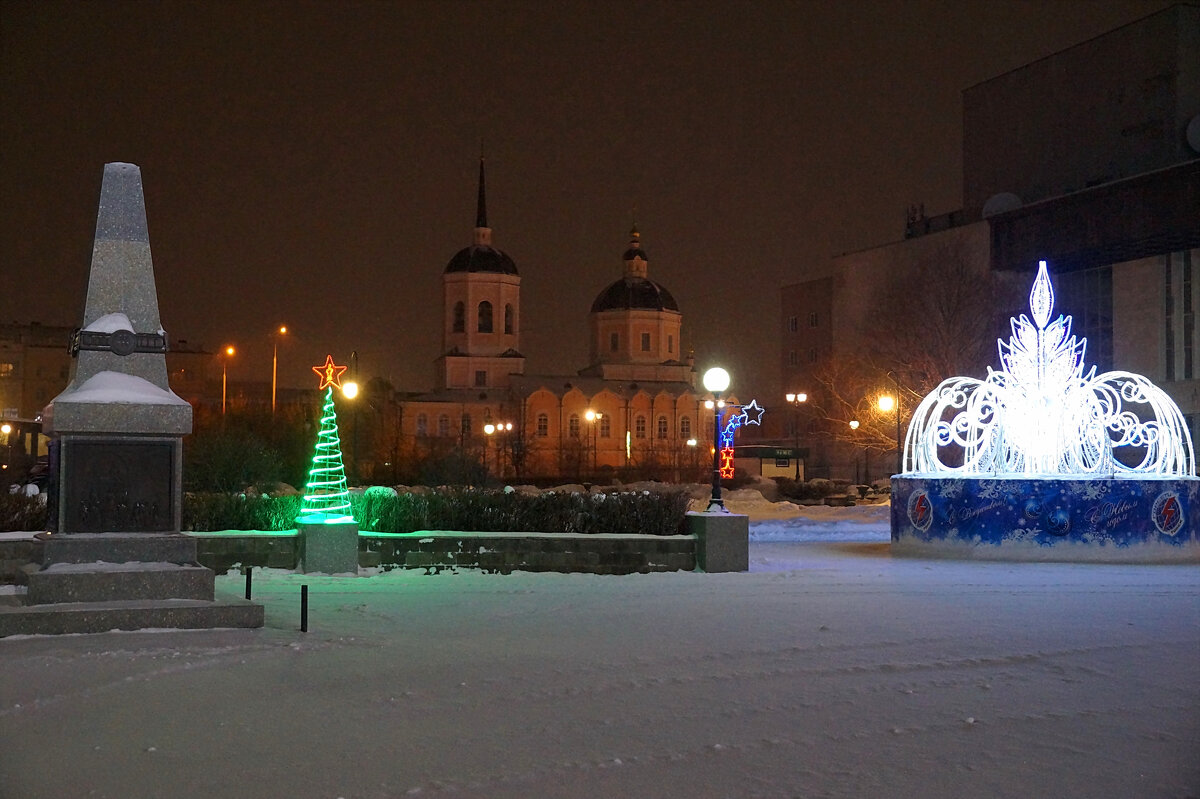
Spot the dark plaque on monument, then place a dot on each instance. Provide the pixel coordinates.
(120, 486)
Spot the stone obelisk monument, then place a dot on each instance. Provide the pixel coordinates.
(115, 556)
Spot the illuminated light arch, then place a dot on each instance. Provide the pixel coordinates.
(1041, 415)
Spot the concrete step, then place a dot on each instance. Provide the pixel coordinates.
(117, 547)
(99, 582)
(99, 617)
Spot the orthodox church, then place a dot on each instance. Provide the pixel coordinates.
(633, 410)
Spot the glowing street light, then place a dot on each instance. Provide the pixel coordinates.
(795, 401)
(229, 352)
(593, 417)
(282, 331)
(716, 380)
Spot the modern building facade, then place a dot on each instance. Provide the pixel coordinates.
(1088, 159)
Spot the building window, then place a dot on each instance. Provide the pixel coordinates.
(670, 343)
(605, 426)
(662, 427)
(639, 427)
(792, 325)
(485, 317)
(466, 425)
(573, 425)
(481, 378)
(812, 354)
(7, 369)
(645, 342)
(1087, 296)
(543, 425)
(614, 341)
(508, 319)
(685, 427)
(793, 360)
(460, 318)
(814, 319)
(444, 426)
(422, 424)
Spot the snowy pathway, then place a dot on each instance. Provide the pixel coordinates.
(830, 670)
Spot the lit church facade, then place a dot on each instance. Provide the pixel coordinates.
(633, 411)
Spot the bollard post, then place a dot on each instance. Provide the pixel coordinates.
(304, 608)
(249, 579)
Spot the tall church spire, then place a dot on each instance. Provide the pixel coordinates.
(483, 233)
(481, 207)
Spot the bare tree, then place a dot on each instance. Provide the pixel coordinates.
(934, 316)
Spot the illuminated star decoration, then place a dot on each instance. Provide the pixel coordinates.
(330, 374)
(750, 414)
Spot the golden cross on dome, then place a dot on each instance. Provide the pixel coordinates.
(330, 374)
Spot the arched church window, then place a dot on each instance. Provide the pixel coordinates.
(543, 425)
(573, 425)
(662, 427)
(605, 426)
(460, 318)
(639, 427)
(685, 427)
(443, 425)
(422, 424)
(485, 317)
(508, 319)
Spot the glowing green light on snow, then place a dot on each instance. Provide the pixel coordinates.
(326, 498)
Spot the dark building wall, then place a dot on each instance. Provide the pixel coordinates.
(1109, 108)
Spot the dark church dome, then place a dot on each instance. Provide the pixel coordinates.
(632, 292)
(481, 259)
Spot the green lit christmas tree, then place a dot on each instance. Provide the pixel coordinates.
(326, 498)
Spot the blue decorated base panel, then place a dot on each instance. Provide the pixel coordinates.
(1047, 519)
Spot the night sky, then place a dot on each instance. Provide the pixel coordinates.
(315, 164)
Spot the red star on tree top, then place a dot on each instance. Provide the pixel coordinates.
(330, 374)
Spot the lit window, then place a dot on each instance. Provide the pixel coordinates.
(7, 369)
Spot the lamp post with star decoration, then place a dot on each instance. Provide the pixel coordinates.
(326, 498)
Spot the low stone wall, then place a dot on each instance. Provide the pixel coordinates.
(223, 550)
(508, 552)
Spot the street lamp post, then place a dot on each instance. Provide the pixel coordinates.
(275, 364)
(857, 476)
(593, 417)
(350, 391)
(899, 443)
(716, 380)
(794, 400)
(229, 351)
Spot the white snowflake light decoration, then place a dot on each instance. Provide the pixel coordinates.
(1042, 416)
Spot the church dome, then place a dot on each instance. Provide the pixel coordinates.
(481, 259)
(634, 293)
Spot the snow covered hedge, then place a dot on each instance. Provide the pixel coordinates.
(466, 510)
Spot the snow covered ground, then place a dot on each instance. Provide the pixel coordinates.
(830, 670)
